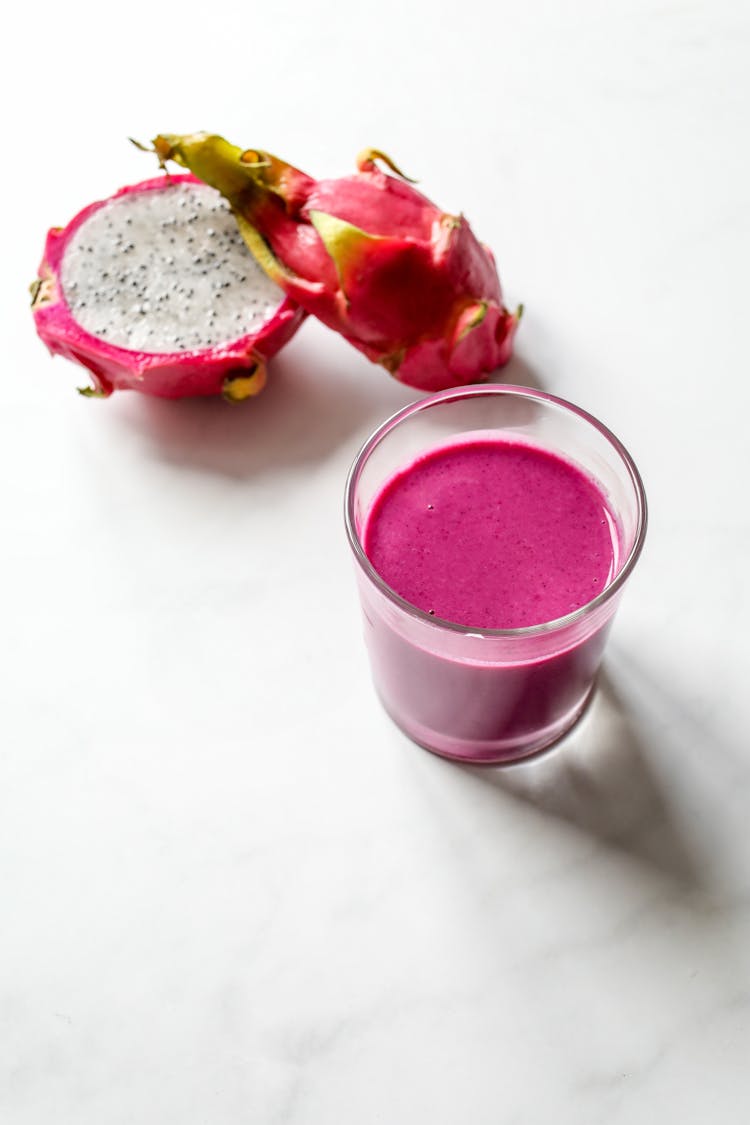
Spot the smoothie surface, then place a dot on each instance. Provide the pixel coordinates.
(492, 533)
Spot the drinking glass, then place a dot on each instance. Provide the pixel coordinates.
(490, 695)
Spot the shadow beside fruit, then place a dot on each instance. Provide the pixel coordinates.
(321, 395)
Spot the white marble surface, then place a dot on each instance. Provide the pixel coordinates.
(231, 891)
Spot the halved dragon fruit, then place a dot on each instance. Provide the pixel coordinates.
(404, 282)
(154, 290)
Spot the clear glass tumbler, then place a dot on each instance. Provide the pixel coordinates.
(490, 695)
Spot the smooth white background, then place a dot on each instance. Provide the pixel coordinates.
(230, 890)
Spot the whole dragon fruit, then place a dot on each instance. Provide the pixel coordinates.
(154, 290)
(371, 257)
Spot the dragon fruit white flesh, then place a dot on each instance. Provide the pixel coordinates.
(154, 290)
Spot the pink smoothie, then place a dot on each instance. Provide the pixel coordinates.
(487, 533)
(492, 534)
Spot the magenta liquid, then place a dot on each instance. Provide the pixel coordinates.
(492, 534)
(488, 533)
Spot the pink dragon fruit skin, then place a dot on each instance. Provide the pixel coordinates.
(235, 368)
(372, 258)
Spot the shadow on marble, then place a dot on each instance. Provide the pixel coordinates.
(308, 410)
(520, 373)
(599, 779)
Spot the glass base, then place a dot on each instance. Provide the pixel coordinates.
(495, 752)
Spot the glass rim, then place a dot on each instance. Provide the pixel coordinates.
(456, 394)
